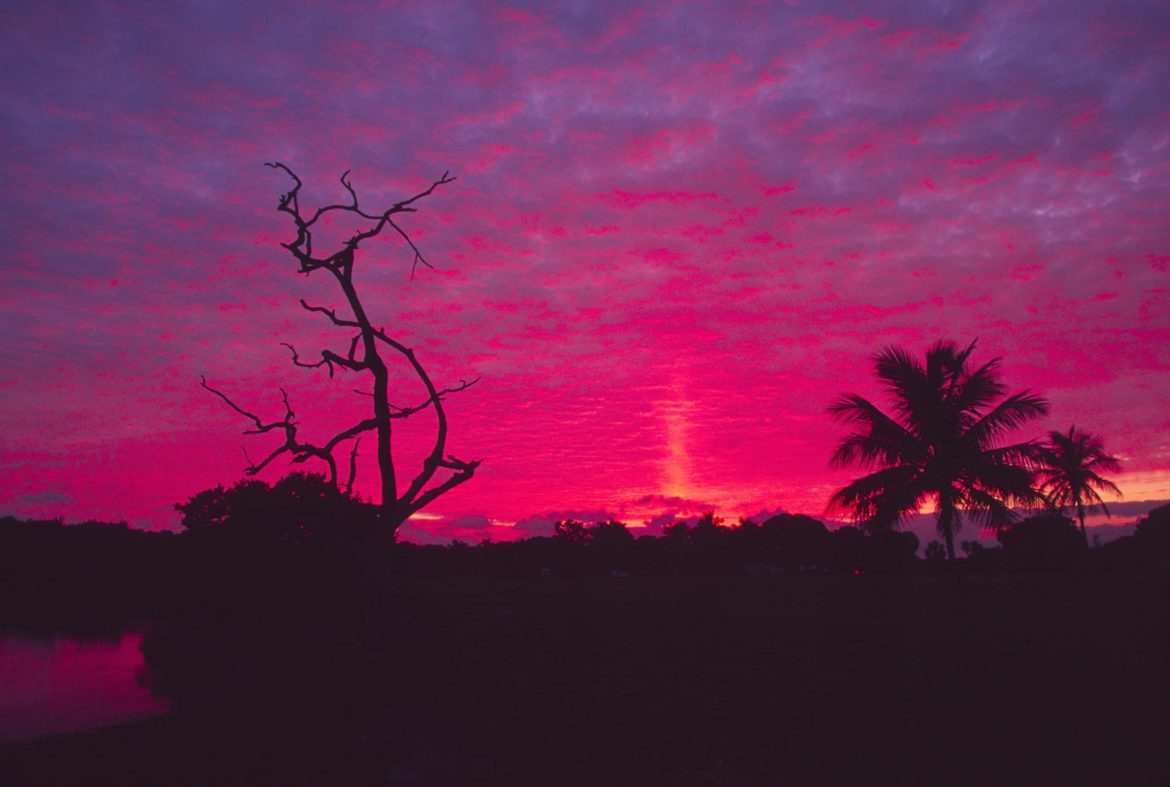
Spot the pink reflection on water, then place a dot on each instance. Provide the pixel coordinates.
(63, 685)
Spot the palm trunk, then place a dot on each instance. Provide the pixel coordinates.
(946, 518)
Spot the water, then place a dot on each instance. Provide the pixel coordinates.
(51, 686)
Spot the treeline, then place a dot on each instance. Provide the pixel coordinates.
(254, 541)
(787, 544)
(790, 545)
(304, 509)
(90, 578)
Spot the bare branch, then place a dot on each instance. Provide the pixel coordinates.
(349, 187)
(403, 412)
(347, 363)
(353, 455)
(291, 174)
(329, 358)
(365, 426)
(254, 469)
(331, 314)
(404, 205)
(296, 359)
(261, 427)
(300, 451)
(434, 459)
(465, 470)
(440, 182)
(289, 204)
(418, 256)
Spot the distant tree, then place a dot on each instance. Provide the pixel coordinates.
(748, 542)
(1044, 541)
(676, 531)
(611, 543)
(1070, 467)
(1153, 532)
(708, 521)
(893, 550)
(1148, 549)
(1155, 525)
(572, 530)
(710, 546)
(850, 549)
(707, 529)
(795, 541)
(610, 535)
(980, 556)
(370, 351)
(935, 551)
(939, 445)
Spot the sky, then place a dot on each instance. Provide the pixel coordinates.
(678, 232)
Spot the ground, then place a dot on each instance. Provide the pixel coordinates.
(1037, 679)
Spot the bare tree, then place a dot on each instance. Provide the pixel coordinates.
(370, 350)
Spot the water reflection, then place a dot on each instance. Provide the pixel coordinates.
(50, 686)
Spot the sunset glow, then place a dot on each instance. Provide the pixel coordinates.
(676, 235)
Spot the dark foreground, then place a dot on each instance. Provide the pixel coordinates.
(1025, 680)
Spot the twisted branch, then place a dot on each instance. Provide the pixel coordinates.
(395, 508)
(331, 314)
(342, 260)
(301, 452)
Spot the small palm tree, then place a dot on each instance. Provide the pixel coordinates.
(939, 445)
(1069, 472)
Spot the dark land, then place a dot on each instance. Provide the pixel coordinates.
(683, 673)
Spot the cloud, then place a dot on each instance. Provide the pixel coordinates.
(470, 529)
(677, 228)
(46, 497)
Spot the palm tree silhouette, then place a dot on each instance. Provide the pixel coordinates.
(939, 444)
(1069, 465)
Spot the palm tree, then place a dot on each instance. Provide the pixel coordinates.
(939, 444)
(1069, 472)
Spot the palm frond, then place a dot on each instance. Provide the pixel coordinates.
(1029, 454)
(985, 509)
(880, 500)
(980, 389)
(878, 440)
(1012, 413)
(1095, 482)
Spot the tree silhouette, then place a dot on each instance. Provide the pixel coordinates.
(1046, 541)
(939, 445)
(1069, 472)
(298, 508)
(370, 352)
(935, 551)
(572, 530)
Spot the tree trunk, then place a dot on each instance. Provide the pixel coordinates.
(946, 518)
(376, 576)
(389, 482)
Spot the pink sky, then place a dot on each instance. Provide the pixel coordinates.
(677, 234)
